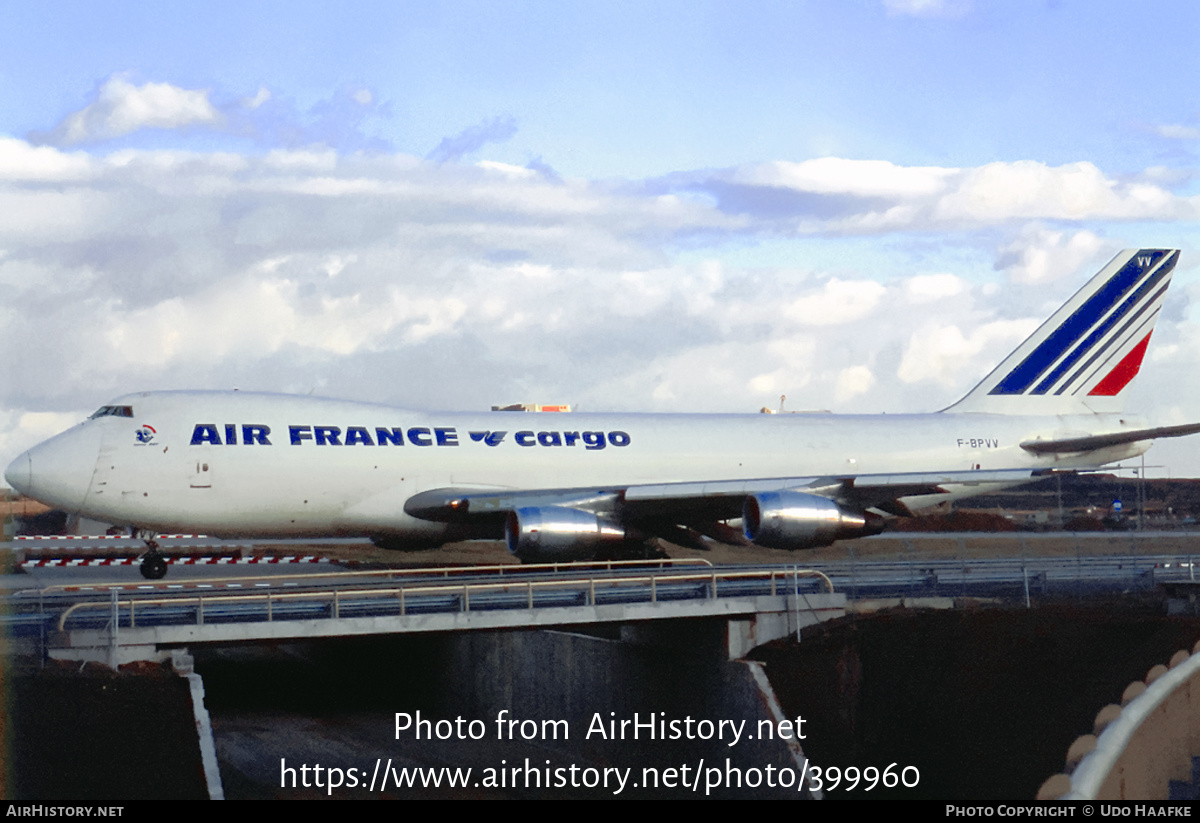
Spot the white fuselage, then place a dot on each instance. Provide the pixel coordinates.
(233, 463)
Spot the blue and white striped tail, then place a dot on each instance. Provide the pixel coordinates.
(1082, 358)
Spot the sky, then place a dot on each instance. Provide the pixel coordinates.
(653, 206)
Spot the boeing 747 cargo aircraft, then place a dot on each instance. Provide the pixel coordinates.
(572, 486)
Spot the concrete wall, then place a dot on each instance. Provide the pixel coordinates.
(670, 670)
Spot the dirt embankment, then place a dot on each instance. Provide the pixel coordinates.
(983, 702)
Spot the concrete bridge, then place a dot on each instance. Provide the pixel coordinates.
(143, 622)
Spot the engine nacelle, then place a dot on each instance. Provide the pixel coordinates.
(557, 533)
(795, 520)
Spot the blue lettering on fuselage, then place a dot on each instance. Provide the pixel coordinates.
(205, 433)
(593, 440)
(393, 436)
(491, 438)
(327, 435)
(258, 434)
(358, 434)
(252, 434)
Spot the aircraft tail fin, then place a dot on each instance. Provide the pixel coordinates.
(1083, 357)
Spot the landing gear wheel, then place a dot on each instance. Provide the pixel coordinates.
(154, 566)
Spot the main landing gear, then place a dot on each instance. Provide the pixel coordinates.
(154, 565)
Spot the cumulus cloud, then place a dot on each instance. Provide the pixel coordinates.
(1178, 132)
(494, 130)
(507, 169)
(925, 288)
(839, 301)
(21, 428)
(872, 197)
(1040, 255)
(941, 353)
(393, 278)
(852, 382)
(1028, 189)
(858, 178)
(262, 96)
(258, 317)
(21, 161)
(120, 108)
(339, 122)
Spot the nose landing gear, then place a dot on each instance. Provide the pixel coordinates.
(154, 565)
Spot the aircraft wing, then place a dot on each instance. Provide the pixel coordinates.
(692, 503)
(861, 489)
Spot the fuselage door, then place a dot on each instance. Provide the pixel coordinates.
(200, 473)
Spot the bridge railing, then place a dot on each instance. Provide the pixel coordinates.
(502, 570)
(423, 596)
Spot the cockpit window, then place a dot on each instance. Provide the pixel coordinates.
(113, 411)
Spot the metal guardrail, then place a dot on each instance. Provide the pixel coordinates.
(426, 598)
(323, 595)
(501, 570)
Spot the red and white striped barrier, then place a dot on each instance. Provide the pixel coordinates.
(80, 561)
(107, 537)
(187, 560)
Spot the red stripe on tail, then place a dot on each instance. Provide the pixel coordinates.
(1124, 371)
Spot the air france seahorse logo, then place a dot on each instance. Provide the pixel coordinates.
(145, 434)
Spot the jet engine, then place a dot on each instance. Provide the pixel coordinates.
(552, 533)
(795, 520)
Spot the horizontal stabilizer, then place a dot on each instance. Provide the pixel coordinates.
(1070, 445)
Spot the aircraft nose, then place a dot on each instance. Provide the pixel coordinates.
(57, 472)
(17, 475)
